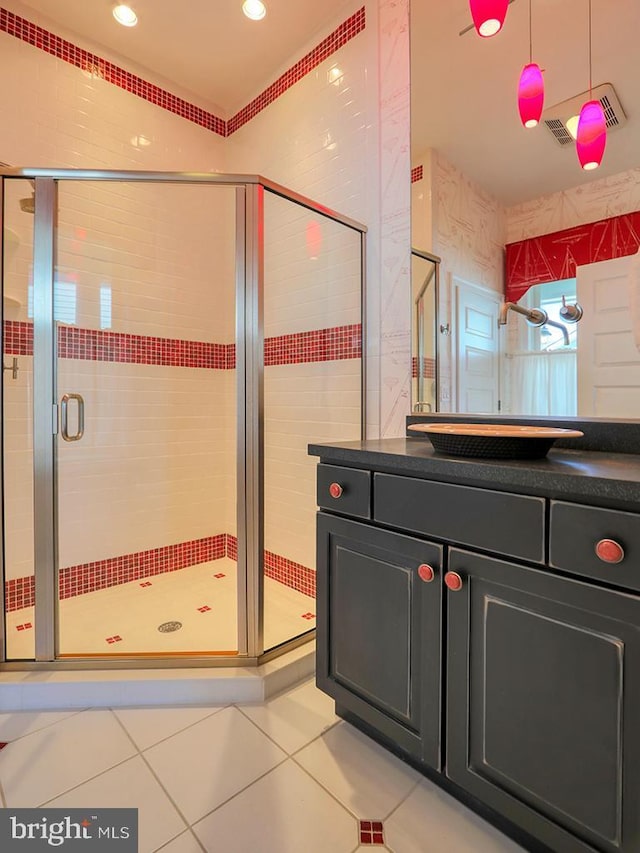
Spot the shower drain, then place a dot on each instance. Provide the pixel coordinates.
(168, 627)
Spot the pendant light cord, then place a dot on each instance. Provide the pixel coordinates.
(590, 74)
(530, 37)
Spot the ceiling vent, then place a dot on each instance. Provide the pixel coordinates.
(556, 117)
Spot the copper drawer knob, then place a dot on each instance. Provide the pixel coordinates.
(609, 551)
(426, 573)
(453, 581)
(335, 490)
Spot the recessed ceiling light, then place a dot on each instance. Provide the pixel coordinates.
(254, 9)
(572, 125)
(125, 15)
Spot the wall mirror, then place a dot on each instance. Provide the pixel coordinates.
(480, 180)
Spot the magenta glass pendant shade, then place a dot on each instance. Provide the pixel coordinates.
(530, 95)
(592, 135)
(488, 16)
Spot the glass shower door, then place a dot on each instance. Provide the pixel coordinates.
(144, 309)
(17, 392)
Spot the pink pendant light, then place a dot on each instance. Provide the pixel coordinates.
(592, 135)
(592, 126)
(530, 88)
(531, 95)
(488, 16)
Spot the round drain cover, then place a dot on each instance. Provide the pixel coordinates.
(168, 627)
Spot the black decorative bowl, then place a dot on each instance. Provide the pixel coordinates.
(493, 441)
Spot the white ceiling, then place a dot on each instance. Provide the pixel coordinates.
(463, 87)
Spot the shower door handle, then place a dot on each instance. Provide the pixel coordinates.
(64, 420)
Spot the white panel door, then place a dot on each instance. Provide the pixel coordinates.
(609, 339)
(476, 349)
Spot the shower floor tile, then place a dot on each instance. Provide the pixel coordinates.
(196, 608)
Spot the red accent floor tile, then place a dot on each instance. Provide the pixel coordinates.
(220, 575)
(204, 609)
(308, 615)
(2, 745)
(371, 832)
(148, 583)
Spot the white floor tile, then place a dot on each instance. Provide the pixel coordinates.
(430, 821)
(130, 785)
(212, 760)
(284, 812)
(14, 726)
(185, 843)
(368, 779)
(49, 762)
(148, 726)
(296, 717)
(134, 613)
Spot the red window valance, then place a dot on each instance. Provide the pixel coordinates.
(555, 256)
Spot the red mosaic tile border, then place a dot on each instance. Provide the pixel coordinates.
(100, 574)
(428, 367)
(334, 41)
(416, 174)
(17, 337)
(294, 575)
(38, 37)
(339, 342)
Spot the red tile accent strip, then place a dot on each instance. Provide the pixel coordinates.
(65, 50)
(334, 41)
(101, 574)
(18, 337)
(294, 575)
(371, 832)
(37, 36)
(428, 367)
(339, 342)
(416, 174)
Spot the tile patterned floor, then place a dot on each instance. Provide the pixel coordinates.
(127, 618)
(284, 777)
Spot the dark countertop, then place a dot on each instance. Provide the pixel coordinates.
(591, 477)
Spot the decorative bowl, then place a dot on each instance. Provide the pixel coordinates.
(493, 441)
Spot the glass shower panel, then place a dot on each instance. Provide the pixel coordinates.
(312, 392)
(18, 419)
(145, 323)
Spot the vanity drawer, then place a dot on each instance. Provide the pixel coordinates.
(344, 490)
(599, 543)
(495, 521)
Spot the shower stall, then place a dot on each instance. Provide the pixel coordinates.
(171, 344)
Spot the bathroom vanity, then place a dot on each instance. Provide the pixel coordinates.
(482, 619)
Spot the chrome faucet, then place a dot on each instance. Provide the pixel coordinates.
(534, 316)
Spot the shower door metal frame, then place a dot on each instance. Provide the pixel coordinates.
(249, 198)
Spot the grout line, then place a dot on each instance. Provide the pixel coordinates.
(84, 781)
(69, 713)
(3, 799)
(172, 707)
(188, 832)
(404, 799)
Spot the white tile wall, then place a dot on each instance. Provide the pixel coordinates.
(344, 142)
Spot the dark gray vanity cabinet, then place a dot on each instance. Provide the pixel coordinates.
(493, 636)
(543, 702)
(379, 600)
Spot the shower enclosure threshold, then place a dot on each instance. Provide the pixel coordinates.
(67, 689)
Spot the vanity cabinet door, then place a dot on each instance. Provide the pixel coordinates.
(379, 598)
(543, 703)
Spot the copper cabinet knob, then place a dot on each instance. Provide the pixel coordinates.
(453, 581)
(609, 551)
(335, 490)
(426, 573)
